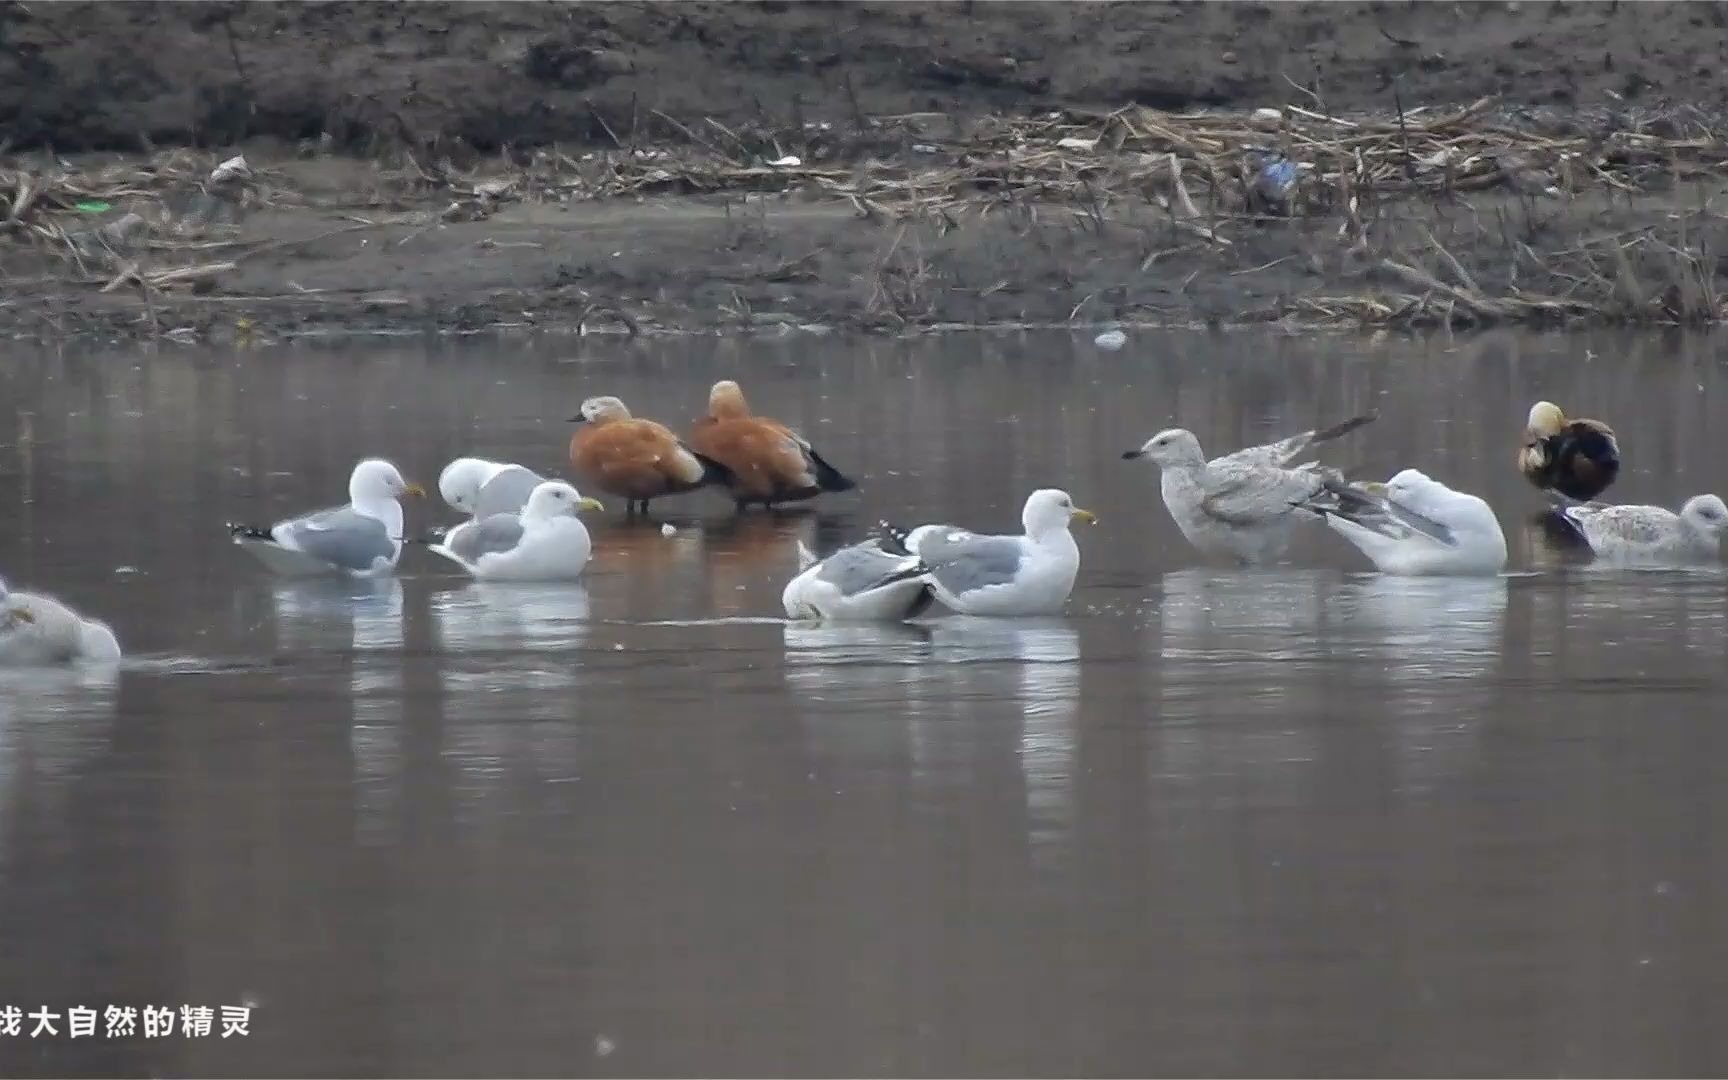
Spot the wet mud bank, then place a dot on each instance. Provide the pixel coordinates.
(745, 167)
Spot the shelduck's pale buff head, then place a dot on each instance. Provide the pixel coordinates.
(1545, 419)
(555, 497)
(1705, 513)
(1049, 510)
(1171, 447)
(726, 401)
(598, 410)
(375, 479)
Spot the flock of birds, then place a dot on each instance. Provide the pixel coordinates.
(1244, 507)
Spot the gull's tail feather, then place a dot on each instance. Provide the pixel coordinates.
(248, 532)
(806, 557)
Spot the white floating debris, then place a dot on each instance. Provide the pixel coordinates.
(234, 167)
(1111, 339)
(923, 148)
(1075, 143)
(1267, 116)
(668, 530)
(789, 161)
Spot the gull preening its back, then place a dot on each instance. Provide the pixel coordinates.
(544, 542)
(481, 488)
(1030, 574)
(362, 539)
(1242, 505)
(1415, 525)
(874, 580)
(1577, 458)
(1652, 536)
(37, 631)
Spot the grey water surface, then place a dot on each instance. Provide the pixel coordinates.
(1299, 821)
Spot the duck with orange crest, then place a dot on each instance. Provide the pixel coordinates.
(635, 459)
(769, 462)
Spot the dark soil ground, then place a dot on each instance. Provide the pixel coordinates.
(316, 90)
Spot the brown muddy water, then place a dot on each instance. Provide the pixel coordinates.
(1303, 821)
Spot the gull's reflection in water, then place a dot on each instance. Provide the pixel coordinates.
(1613, 620)
(53, 722)
(1234, 655)
(852, 681)
(1044, 657)
(511, 671)
(362, 622)
(947, 697)
(1434, 641)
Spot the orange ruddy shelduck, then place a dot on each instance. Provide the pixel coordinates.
(769, 462)
(635, 459)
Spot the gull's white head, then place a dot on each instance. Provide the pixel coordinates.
(1409, 482)
(1171, 447)
(1545, 419)
(1050, 510)
(600, 409)
(1705, 513)
(461, 480)
(375, 479)
(555, 498)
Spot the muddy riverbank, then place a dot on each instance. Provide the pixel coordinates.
(704, 168)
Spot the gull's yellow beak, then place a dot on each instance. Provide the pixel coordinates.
(1083, 515)
(22, 614)
(415, 490)
(585, 503)
(1373, 487)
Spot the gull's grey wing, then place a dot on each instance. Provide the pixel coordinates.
(962, 564)
(1243, 494)
(1284, 451)
(1630, 525)
(862, 567)
(938, 543)
(490, 536)
(1378, 513)
(343, 537)
(506, 493)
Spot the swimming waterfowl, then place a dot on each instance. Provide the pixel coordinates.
(38, 630)
(362, 539)
(635, 459)
(1030, 574)
(1242, 505)
(544, 542)
(1577, 458)
(769, 462)
(1652, 536)
(861, 582)
(1414, 525)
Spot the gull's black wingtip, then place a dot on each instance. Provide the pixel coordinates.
(248, 532)
(892, 538)
(1337, 431)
